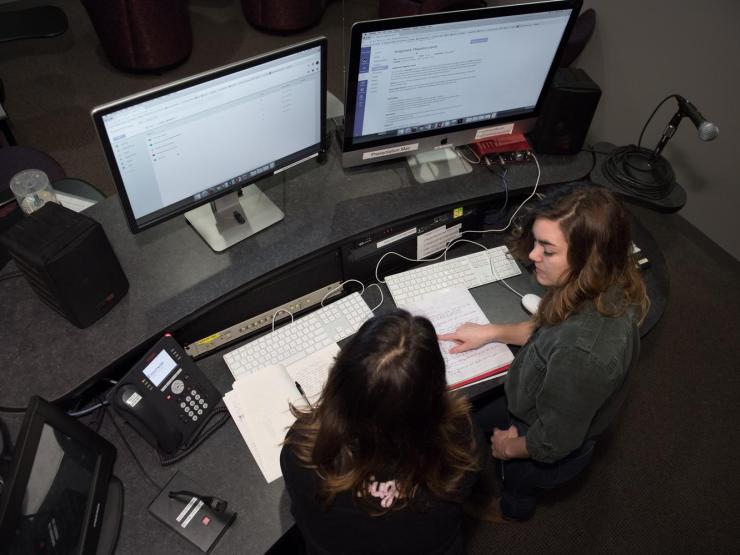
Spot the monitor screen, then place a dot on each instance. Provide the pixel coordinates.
(179, 146)
(57, 487)
(435, 81)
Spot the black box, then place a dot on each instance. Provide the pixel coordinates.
(189, 516)
(69, 262)
(566, 113)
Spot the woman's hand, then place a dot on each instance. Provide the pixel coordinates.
(468, 336)
(508, 444)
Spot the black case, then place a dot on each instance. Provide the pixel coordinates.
(566, 113)
(68, 260)
(195, 521)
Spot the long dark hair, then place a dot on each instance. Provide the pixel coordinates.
(386, 411)
(597, 230)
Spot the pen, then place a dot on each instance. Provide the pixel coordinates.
(303, 394)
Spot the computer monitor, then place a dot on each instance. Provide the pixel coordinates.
(54, 500)
(196, 146)
(417, 86)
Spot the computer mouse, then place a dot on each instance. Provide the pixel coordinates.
(530, 302)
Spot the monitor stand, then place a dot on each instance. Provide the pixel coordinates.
(437, 164)
(234, 217)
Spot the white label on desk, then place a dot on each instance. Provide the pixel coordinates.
(493, 131)
(388, 151)
(403, 235)
(436, 240)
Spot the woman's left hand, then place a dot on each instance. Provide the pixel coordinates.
(499, 440)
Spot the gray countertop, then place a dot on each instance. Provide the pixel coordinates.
(173, 273)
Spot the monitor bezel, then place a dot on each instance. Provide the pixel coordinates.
(351, 145)
(99, 112)
(39, 413)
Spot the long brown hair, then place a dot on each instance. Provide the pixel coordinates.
(386, 411)
(602, 267)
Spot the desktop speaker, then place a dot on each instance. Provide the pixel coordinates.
(566, 113)
(68, 261)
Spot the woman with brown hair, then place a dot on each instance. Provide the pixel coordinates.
(384, 461)
(571, 375)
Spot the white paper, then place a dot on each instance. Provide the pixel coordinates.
(312, 371)
(259, 404)
(436, 240)
(73, 202)
(448, 309)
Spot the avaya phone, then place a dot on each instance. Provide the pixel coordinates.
(165, 396)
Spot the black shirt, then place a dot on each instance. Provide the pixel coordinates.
(348, 528)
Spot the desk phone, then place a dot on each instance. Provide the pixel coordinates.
(165, 396)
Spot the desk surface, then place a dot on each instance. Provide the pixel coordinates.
(173, 273)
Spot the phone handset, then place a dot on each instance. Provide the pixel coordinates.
(151, 422)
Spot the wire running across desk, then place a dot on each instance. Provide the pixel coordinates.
(468, 271)
(302, 337)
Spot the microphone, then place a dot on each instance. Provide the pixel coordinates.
(707, 130)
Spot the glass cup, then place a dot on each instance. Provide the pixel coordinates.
(32, 190)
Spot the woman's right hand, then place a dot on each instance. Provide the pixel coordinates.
(469, 336)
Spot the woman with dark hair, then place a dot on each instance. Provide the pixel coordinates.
(571, 375)
(383, 462)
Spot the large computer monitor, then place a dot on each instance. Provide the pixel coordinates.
(196, 146)
(417, 86)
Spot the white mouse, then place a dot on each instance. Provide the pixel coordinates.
(530, 302)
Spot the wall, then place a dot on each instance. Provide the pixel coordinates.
(644, 50)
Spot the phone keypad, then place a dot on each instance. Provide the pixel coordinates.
(193, 405)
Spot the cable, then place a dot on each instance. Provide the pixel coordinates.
(215, 503)
(617, 165)
(456, 239)
(292, 318)
(83, 412)
(525, 201)
(204, 433)
(13, 409)
(330, 291)
(468, 160)
(382, 297)
(10, 275)
(644, 127)
(502, 176)
(490, 262)
(136, 459)
(614, 168)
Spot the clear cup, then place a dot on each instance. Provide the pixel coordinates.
(32, 190)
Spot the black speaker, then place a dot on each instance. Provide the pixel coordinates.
(566, 113)
(68, 260)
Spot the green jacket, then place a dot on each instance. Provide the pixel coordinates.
(569, 380)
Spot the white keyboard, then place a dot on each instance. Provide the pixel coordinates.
(466, 271)
(300, 338)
